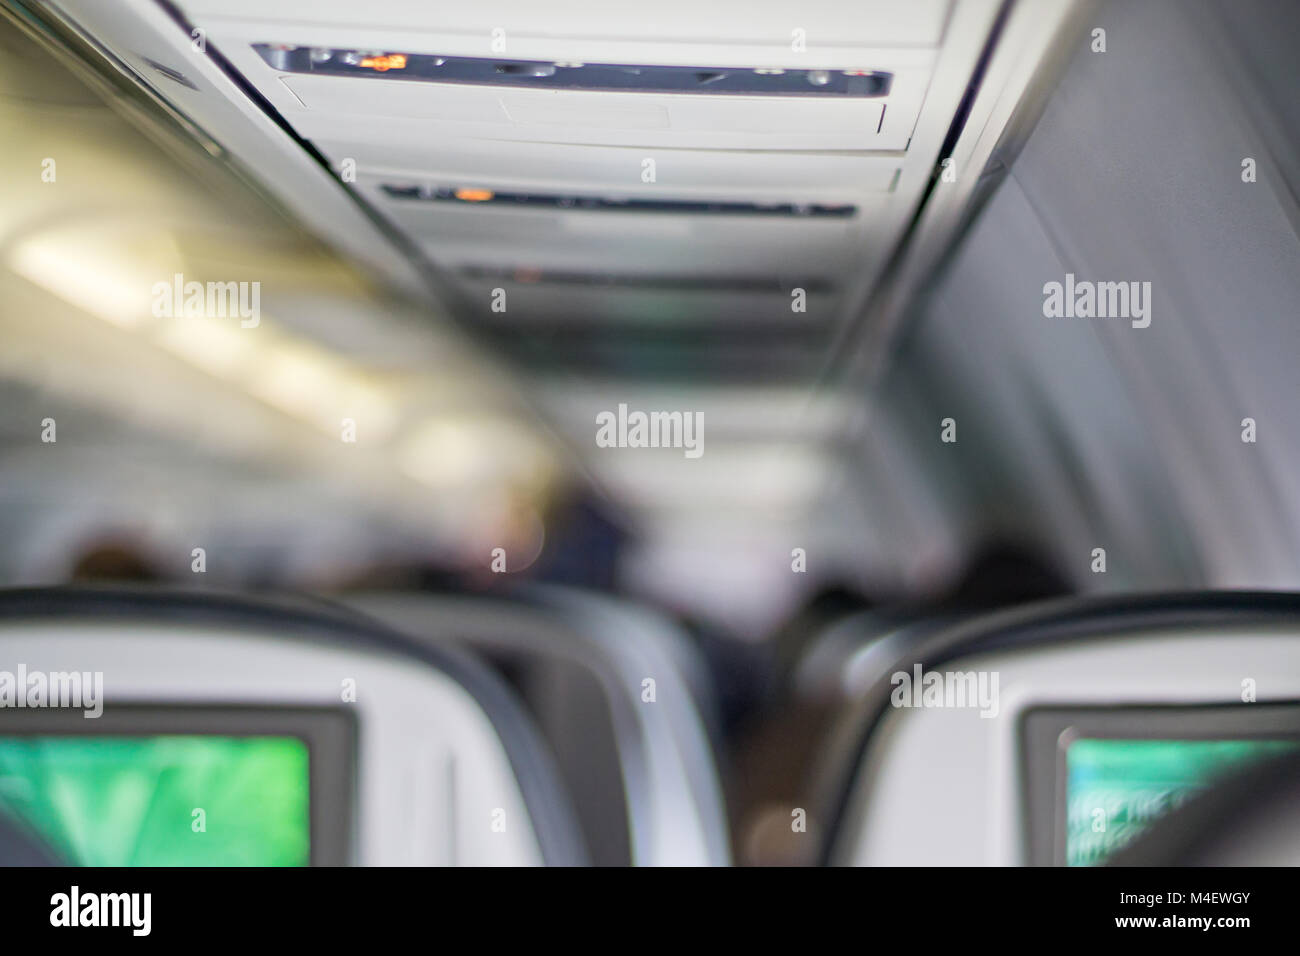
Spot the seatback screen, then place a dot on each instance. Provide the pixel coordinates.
(1116, 787)
(165, 800)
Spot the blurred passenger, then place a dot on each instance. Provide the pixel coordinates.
(116, 559)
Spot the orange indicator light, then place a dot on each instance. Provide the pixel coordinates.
(393, 61)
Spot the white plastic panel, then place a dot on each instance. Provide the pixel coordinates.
(682, 121)
(504, 165)
(762, 28)
(456, 233)
(431, 767)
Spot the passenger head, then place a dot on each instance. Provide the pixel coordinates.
(114, 560)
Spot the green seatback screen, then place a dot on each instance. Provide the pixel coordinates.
(1115, 788)
(169, 800)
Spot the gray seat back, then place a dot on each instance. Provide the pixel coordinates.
(584, 659)
(959, 776)
(445, 768)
